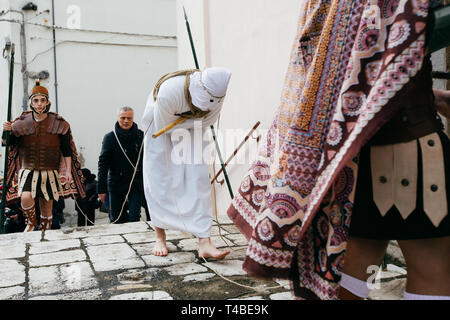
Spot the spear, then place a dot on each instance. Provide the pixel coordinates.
(5, 172)
(236, 151)
(212, 127)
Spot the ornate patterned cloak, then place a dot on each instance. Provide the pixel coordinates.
(350, 65)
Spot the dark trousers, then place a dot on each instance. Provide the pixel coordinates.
(131, 210)
(90, 213)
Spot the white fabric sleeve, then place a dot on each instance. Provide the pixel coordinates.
(212, 116)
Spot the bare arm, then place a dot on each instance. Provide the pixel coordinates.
(68, 162)
(7, 126)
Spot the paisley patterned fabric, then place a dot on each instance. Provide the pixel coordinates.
(349, 59)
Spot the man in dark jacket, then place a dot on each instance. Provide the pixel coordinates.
(116, 165)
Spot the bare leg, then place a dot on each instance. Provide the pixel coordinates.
(26, 199)
(206, 249)
(428, 262)
(360, 254)
(160, 248)
(29, 210)
(46, 213)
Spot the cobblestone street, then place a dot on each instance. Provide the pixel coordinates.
(110, 261)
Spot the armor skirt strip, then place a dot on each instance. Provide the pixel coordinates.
(44, 184)
(368, 222)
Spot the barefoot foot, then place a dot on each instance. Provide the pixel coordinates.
(207, 250)
(160, 248)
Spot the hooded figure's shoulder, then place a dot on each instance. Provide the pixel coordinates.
(172, 87)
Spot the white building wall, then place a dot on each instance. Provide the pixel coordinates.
(439, 62)
(253, 39)
(5, 31)
(97, 72)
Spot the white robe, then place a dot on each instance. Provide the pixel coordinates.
(178, 195)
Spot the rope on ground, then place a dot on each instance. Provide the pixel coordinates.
(257, 289)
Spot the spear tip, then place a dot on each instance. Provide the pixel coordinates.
(185, 15)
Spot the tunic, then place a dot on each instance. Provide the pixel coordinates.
(176, 180)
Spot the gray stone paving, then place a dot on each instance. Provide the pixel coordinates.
(114, 262)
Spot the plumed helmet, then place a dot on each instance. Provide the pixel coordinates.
(39, 90)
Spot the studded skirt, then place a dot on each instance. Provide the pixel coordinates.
(41, 183)
(397, 206)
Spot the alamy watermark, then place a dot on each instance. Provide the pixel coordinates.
(74, 19)
(197, 145)
(374, 281)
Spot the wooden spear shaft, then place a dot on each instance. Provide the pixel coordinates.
(236, 151)
(7, 133)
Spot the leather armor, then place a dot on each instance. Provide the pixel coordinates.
(40, 144)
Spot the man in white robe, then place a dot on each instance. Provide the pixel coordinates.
(178, 191)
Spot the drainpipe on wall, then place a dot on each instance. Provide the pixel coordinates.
(23, 51)
(54, 55)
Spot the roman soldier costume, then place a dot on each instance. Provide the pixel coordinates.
(36, 162)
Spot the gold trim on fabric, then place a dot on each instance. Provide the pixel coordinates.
(314, 77)
(434, 188)
(382, 168)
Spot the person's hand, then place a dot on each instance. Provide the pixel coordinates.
(69, 177)
(102, 197)
(7, 126)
